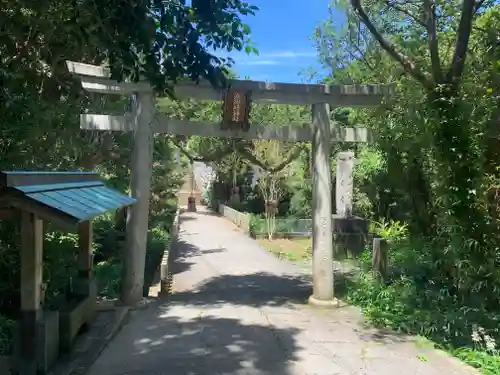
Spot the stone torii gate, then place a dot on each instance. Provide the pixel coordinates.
(142, 122)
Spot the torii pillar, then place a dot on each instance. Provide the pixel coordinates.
(323, 278)
(140, 188)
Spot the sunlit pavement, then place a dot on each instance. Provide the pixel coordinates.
(238, 310)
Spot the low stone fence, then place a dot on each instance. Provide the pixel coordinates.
(285, 227)
(168, 256)
(350, 235)
(240, 219)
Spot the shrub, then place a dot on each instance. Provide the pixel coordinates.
(419, 300)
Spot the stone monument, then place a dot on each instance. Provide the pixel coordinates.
(349, 231)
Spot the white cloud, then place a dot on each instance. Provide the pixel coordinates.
(290, 54)
(258, 62)
(267, 58)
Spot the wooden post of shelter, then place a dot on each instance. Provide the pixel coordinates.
(234, 126)
(84, 257)
(31, 288)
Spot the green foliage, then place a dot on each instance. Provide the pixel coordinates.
(486, 360)
(59, 267)
(232, 157)
(59, 264)
(164, 41)
(211, 198)
(370, 164)
(253, 201)
(437, 167)
(108, 274)
(300, 203)
(429, 183)
(392, 231)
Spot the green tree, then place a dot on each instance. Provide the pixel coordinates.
(40, 102)
(440, 74)
(433, 133)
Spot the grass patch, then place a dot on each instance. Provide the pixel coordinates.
(487, 363)
(294, 249)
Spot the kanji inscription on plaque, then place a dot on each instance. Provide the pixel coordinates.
(236, 110)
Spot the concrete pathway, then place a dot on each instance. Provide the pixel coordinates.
(237, 310)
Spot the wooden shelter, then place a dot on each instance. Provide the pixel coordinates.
(70, 200)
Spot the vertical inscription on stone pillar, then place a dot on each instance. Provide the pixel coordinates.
(322, 205)
(344, 183)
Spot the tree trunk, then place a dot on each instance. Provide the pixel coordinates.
(421, 198)
(458, 169)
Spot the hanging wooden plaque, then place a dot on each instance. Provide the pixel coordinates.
(236, 110)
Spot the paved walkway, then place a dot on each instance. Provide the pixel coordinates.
(237, 310)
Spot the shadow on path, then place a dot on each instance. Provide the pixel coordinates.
(237, 310)
(260, 289)
(182, 254)
(182, 339)
(211, 345)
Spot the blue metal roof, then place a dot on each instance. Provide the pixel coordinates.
(81, 200)
(47, 173)
(25, 178)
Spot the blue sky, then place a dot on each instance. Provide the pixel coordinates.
(281, 31)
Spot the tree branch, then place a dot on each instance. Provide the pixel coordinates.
(208, 159)
(409, 66)
(462, 42)
(432, 39)
(478, 4)
(357, 49)
(292, 155)
(406, 13)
